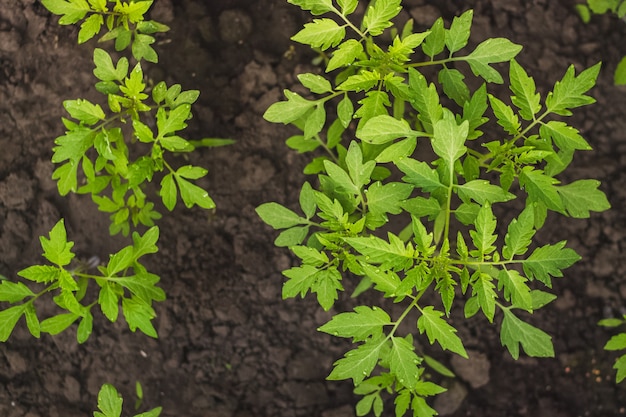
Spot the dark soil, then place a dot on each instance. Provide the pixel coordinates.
(229, 346)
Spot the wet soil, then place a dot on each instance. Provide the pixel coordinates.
(229, 346)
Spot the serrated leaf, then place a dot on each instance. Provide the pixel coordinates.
(377, 17)
(108, 300)
(403, 362)
(345, 111)
(541, 188)
(565, 137)
(363, 81)
(519, 234)
(326, 285)
(484, 236)
(387, 198)
(14, 292)
(549, 261)
(138, 315)
(535, 342)
(109, 402)
(316, 7)
(71, 11)
(488, 52)
(449, 138)
(425, 99)
(435, 42)
(341, 178)
(360, 173)
(310, 256)
(482, 191)
(292, 236)
(569, 92)
(505, 115)
(397, 151)
(173, 121)
(386, 282)
(191, 194)
(383, 129)
(437, 329)
(8, 320)
(40, 273)
(375, 103)
(57, 324)
(360, 325)
(84, 111)
(483, 289)
(90, 27)
(32, 321)
(357, 363)
(314, 122)
(616, 342)
(57, 249)
(345, 54)
(583, 196)
(321, 33)
(458, 34)
(454, 86)
(419, 174)
(120, 260)
(525, 95)
(620, 366)
(288, 111)
(300, 281)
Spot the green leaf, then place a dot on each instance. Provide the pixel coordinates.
(191, 172)
(438, 367)
(307, 200)
(403, 362)
(373, 104)
(397, 151)
(387, 198)
(109, 402)
(425, 99)
(421, 408)
(541, 188)
(525, 95)
(360, 173)
(8, 320)
(84, 111)
(345, 54)
(192, 194)
(541, 298)
(71, 11)
(570, 92)
(386, 282)
(315, 83)
(435, 42)
(363, 81)
(341, 178)
(314, 122)
(377, 17)
(32, 321)
(316, 7)
(534, 341)
(357, 363)
(438, 329)
(505, 115)
(108, 300)
(57, 324)
(141, 48)
(617, 342)
(138, 315)
(120, 260)
(57, 249)
(491, 51)
(566, 137)
(620, 75)
(14, 292)
(382, 129)
(292, 236)
(321, 33)
(290, 110)
(360, 325)
(300, 281)
(583, 196)
(482, 191)
(345, 111)
(326, 284)
(176, 144)
(40, 273)
(168, 191)
(519, 234)
(90, 27)
(419, 174)
(454, 86)
(310, 256)
(548, 261)
(173, 121)
(85, 327)
(449, 138)
(143, 287)
(483, 289)
(458, 34)
(484, 237)
(620, 366)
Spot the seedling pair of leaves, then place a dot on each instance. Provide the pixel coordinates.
(616, 7)
(380, 105)
(98, 153)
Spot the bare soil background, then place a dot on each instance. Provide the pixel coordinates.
(229, 346)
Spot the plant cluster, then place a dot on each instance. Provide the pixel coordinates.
(616, 7)
(459, 242)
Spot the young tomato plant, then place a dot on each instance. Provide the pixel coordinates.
(110, 404)
(367, 121)
(120, 149)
